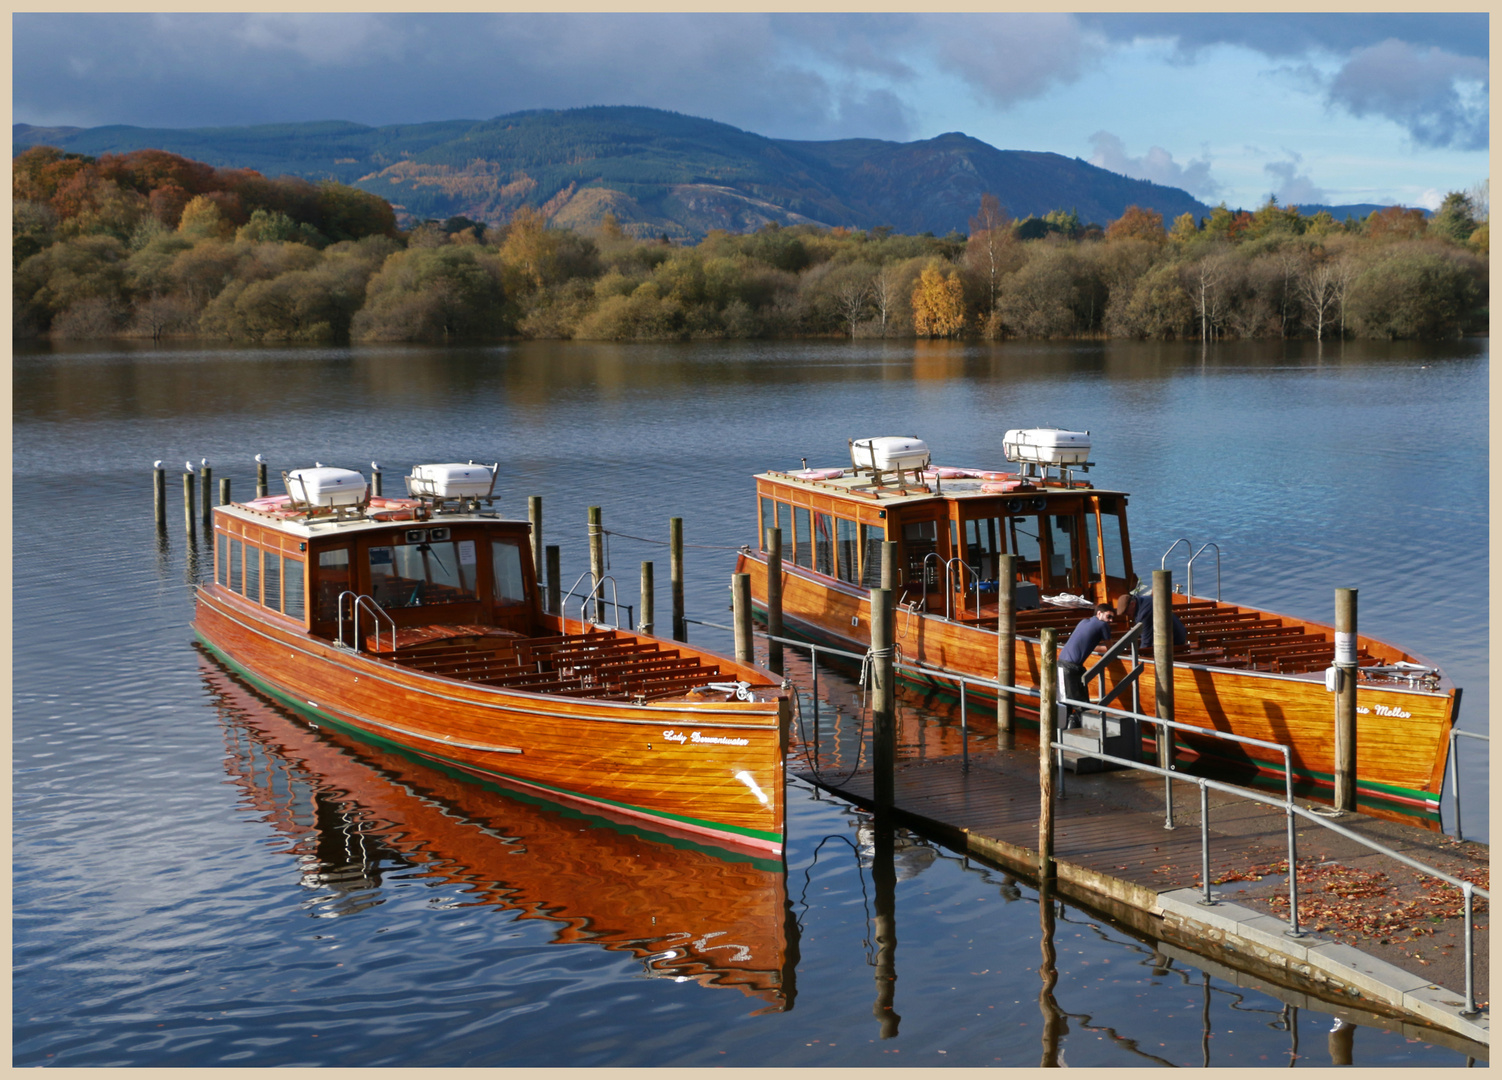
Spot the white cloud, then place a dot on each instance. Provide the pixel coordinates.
(1294, 188)
(1156, 165)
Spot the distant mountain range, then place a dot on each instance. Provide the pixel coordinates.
(658, 172)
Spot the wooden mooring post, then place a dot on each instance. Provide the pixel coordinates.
(190, 518)
(597, 563)
(555, 591)
(206, 494)
(1048, 696)
(1345, 699)
(260, 478)
(224, 499)
(740, 603)
(774, 598)
(1006, 648)
(648, 596)
(534, 515)
(1163, 679)
(883, 699)
(675, 572)
(159, 496)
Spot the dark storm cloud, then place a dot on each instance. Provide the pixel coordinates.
(797, 76)
(1440, 98)
(191, 70)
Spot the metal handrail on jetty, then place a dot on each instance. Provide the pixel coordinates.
(1290, 808)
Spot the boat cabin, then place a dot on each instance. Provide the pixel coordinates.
(425, 561)
(950, 525)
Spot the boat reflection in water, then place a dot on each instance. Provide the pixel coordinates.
(686, 911)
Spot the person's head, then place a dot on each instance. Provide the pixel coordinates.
(1105, 612)
(1126, 605)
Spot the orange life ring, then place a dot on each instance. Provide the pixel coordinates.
(1000, 476)
(945, 472)
(998, 487)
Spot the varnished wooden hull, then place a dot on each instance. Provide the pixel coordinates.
(682, 909)
(1402, 735)
(711, 770)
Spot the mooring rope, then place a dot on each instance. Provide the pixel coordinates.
(648, 540)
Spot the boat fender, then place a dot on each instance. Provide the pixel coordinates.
(1000, 477)
(819, 474)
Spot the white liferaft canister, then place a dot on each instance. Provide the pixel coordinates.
(891, 452)
(1047, 446)
(452, 481)
(325, 486)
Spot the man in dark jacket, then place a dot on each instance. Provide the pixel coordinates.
(1140, 608)
(1077, 651)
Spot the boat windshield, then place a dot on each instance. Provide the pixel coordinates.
(415, 575)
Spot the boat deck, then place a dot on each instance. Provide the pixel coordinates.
(608, 665)
(1220, 634)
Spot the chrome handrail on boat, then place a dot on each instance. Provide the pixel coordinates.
(1189, 584)
(1163, 562)
(377, 613)
(949, 584)
(597, 595)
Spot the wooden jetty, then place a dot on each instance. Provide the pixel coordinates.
(1113, 854)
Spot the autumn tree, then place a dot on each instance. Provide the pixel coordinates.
(938, 304)
(1137, 224)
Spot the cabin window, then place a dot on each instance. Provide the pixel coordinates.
(506, 564)
(1061, 559)
(845, 537)
(1025, 544)
(920, 539)
(236, 578)
(768, 521)
(803, 538)
(785, 523)
(985, 540)
(874, 534)
(823, 543)
(417, 575)
(253, 573)
(273, 583)
(221, 560)
(292, 586)
(1110, 528)
(333, 579)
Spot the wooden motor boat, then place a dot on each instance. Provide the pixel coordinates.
(1246, 670)
(416, 622)
(354, 813)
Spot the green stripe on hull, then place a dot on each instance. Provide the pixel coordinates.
(302, 706)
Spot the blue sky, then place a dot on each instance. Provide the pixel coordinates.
(1332, 108)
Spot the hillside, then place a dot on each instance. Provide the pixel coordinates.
(656, 171)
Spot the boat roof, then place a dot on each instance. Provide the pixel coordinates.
(278, 512)
(859, 485)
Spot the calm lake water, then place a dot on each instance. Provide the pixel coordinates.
(202, 880)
